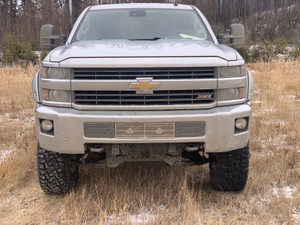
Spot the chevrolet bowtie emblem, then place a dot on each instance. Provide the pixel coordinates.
(144, 85)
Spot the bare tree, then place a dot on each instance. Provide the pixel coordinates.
(24, 17)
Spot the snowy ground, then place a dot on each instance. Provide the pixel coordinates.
(12, 120)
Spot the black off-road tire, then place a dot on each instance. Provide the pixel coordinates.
(229, 170)
(56, 173)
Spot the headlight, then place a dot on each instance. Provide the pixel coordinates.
(231, 94)
(231, 71)
(59, 96)
(56, 73)
(56, 95)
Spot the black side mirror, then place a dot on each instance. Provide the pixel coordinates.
(236, 37)
(48, 40)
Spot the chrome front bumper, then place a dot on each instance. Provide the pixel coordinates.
(69, 136)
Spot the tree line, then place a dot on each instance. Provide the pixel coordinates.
(25, 17)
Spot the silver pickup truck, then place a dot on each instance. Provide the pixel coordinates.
(142, 83)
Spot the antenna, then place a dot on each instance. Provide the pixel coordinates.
(175, 3)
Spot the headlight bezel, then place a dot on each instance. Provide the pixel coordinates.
(232, 85)
(231, 71)
(52, 73)
(55, 79)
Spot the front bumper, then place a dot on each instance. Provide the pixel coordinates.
(69, 137)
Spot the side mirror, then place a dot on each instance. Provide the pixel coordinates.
(48, 39)
(236, 37)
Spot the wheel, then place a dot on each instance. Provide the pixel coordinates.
(56, 173)
(229, 170)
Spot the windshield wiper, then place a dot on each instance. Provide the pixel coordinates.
(146, 39)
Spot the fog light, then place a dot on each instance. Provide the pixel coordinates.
(241, 124)
(47, 125)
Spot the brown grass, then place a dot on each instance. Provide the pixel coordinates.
(144, 194)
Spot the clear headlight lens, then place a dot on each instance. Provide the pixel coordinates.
(56, 73)
(56, 95)
(231, 71)
(59, 96)
(231, 94)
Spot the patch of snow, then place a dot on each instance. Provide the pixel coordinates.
(4, 154)
(145, 217)
(286, 191)
(296, 214)
(38, 53)
(142, 218)
(288, 98)
(269, 110)
(253, 47)
(256, 102)
(279, 123)
(9, 118)
(22, 123)
(284, 55)
(269, 153)
(278, 140)
(277, 192)
(290, 48)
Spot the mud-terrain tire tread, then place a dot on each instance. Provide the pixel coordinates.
(54, 172)
(229, 170)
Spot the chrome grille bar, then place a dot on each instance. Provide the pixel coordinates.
(133, 73)
(171, 97)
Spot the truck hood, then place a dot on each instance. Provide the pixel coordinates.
(137, 49)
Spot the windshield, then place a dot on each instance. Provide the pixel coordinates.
(141, 24)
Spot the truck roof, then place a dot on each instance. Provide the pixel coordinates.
(140, 5)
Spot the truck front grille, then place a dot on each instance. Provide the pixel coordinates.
(133, 73)
(173, 97)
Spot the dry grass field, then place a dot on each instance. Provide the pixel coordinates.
(144, 194)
